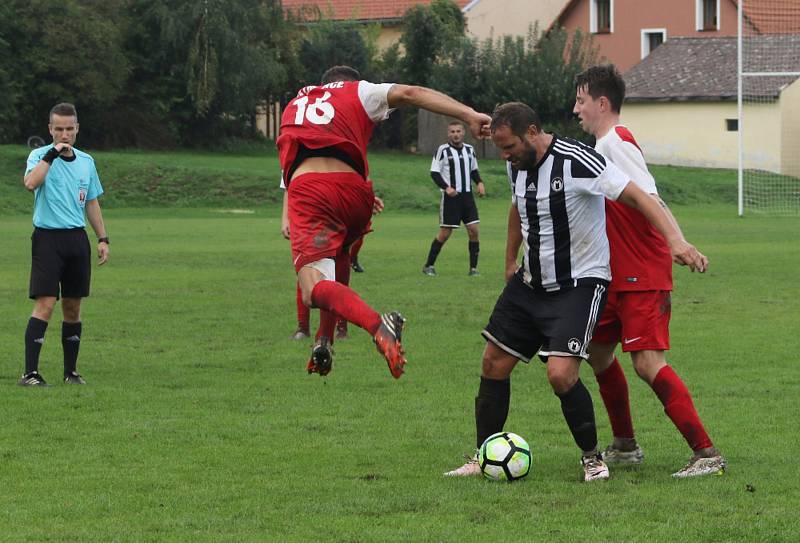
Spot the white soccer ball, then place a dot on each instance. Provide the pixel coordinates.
(504, 457)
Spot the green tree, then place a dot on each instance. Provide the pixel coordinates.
(429, 32)
(328, 43)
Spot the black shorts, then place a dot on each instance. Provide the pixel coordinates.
(61, 263)
(560, 323)
(453, 210)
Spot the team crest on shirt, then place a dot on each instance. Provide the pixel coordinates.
(557, 184)
(574, 345)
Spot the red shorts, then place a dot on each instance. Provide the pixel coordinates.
(327, 212)
(639, 320)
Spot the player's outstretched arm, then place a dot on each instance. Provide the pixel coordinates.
(435, 101)
(683, 252)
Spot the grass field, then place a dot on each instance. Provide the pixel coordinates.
(199, 422)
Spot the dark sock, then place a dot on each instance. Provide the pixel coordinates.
(474, 249)
(436, 246)
(34, 338)
(576, 404)
(71, 342)
(491, 407)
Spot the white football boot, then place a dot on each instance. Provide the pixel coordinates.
(594, 468)
(468, 469)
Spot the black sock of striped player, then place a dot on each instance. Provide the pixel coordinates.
(491, 407)
(436, 246)
(34, 338)
(576, 404)
(474, 249)
(71, 342)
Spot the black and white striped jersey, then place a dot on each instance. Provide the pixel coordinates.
(561, 206)
(456, 166)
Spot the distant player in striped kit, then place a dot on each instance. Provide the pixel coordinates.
(638, 310)
(454, 169)
(551, 303)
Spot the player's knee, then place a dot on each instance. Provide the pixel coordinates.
(561, 378)
(496, 365)
(647, 364)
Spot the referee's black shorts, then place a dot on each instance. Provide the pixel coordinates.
(526, 320)
(61, 263)
(453, 210)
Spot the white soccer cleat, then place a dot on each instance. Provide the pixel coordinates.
(697, 466)
(594, 468)
(613, 455)
(467, 470)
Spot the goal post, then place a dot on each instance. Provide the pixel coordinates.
(768, 103)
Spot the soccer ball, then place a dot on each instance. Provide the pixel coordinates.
(504, 457)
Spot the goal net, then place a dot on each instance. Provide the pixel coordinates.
(769, 106)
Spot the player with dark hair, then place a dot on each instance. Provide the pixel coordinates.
(323, 156)
(66, 186)
(551, 303)
(638, 310)
(454, 168)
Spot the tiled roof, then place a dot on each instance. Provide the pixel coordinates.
(359, 10)
(705, 69)
(773, 16)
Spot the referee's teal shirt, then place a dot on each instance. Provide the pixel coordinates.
(60, 201)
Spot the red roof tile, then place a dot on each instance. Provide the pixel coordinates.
(360, 10)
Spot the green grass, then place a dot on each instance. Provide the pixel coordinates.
(199, 422)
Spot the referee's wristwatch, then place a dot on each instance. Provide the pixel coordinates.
(103, 240)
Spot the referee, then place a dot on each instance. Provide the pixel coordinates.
(65, 185)
(454, 169)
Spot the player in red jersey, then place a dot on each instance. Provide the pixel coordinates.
(638, 309)
(323, 155)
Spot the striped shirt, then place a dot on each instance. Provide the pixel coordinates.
(562, 213)
(456, 166)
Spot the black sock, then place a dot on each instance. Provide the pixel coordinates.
(71, 342)
(491, 407)
(436, 246)
(474, 249)
(576, 404)
(34, 338)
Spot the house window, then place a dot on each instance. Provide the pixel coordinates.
(732, 125)
(707, 13)
(601, 16)
(652, 38)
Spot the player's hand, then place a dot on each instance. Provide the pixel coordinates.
(377, 205)
(102, 253)
(511, 269)
(451, 192)
(481, 190)
(479, 125)
(686, 254)
(63, 148)
(285, 230)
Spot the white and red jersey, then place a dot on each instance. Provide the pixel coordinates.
(640, 257)
(339, 115)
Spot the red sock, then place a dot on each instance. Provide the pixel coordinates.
(679, 407)
(335, 297)
(327, 322)
(303, 313)
(343, 269)
(614, 391)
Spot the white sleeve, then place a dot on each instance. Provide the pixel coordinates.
(436, 164)
(612, 181)
(629, 159)
(283, 183)
(375, 99)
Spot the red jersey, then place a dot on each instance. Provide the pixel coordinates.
(640, 257)
(339, 116)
